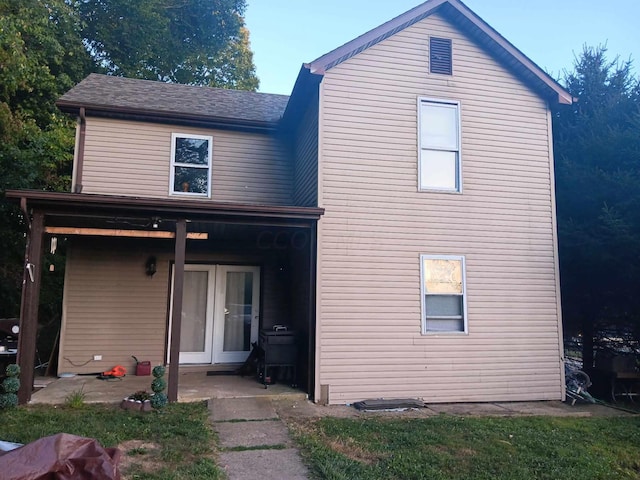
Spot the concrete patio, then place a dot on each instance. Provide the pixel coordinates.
(193, 387)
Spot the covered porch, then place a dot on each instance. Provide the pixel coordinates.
(133, 270)
(194, 386)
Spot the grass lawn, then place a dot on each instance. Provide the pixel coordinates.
(175, 443)
(447, 447)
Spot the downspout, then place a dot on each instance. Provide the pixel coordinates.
(77, 188)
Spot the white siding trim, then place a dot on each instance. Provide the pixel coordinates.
(76, 148)
(319, 229)
(556, 260)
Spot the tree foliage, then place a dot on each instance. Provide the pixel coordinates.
(47, 46)
(41, 56)
(195, 42)
(597, 148)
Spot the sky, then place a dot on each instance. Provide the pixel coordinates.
(285, 34)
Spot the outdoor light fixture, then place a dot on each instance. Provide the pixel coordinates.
(155, 223)
(151, 266)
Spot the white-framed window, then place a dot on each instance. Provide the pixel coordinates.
(190, 165)
(439, 166)
(444, 297)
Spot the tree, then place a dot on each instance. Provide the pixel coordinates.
(195, 42)
(597, 148)
(41, 56)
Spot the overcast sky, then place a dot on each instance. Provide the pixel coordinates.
(286, 33)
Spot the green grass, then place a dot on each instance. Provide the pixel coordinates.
(180, 437)
(446, 447)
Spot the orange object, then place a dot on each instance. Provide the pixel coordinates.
(117, 371)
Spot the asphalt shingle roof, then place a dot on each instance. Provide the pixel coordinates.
(146, 96)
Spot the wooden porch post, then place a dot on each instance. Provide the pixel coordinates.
(176, 317)
(29, 307)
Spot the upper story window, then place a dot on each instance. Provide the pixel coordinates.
(190, 165)
(440, 56)
(443, 294)
(439, 144)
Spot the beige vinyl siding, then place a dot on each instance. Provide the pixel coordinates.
(306, 158)
(134, 158)
(112, 308)
(377, 224)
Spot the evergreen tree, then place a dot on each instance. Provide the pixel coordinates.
(597, 151)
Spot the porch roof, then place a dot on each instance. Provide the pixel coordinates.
(95, 206)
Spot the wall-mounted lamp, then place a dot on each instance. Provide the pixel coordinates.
(151, 266)
(155, 223)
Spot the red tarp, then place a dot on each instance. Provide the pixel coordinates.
(61, 457)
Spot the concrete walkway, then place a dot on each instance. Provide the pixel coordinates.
(254, 442)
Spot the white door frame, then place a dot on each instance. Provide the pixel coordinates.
(215, 314)
(219, 355)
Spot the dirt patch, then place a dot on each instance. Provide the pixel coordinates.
(346, 446)
(138, 455)
(350, 449)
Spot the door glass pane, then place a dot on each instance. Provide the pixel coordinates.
(439, 169)
(237, 312)
(194, 312)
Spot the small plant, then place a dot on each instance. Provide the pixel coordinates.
(140, 396)
(10, 387)
(158, 385)
(76, 398)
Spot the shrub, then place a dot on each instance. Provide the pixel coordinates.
(158, 385)
(159, 400)
(11, 385)
(12, 370)
(158, 371)
(8, 400)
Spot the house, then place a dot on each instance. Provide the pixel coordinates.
(396, 211)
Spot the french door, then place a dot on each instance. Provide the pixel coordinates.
(220, 308)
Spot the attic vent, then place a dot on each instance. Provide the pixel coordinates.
(440, 55)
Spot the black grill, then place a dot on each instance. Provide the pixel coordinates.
(281, 352)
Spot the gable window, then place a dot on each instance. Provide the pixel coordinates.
(443, 294)
(440, 56)
(439, 143)
(190, 165)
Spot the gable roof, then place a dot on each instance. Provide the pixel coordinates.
(104, 94)
(460, 15)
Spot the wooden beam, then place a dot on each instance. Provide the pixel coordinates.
(116, 232)
(176, 316)
(29, 307)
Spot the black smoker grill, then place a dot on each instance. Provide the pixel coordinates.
(280, 350)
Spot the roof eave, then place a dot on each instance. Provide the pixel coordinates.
(185, 208)
(163, 116)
